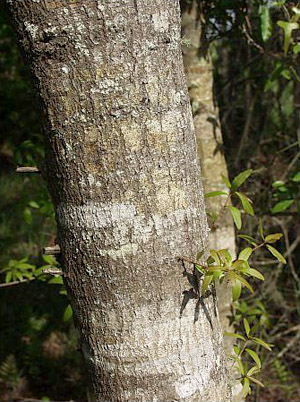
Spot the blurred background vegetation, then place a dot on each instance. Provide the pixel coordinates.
(257, 90)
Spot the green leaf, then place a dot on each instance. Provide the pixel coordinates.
(278, 3)
(246, 387)
(236, 349)
(262, 343)
(200, 268)
(256, 381)
(241, 178)
(253, 370)
(241, 366)
(254, 356)
(27, 216)
(19, 276)
(214, 268)
(225, 255)
(243, 280)
(199, 255)
(215, 194)
(246, 326)
(255, 273)
(246, 203)
(205, 283)
(63, 292)
(24, 266)
(215, 256)
(57, 280)
(288, 28)
(33, 204)
(272, 238)
(245, 254)
(8, 276)
(217, 274)
(265, 22)
(237, 217)
(278, 184)
(282, 206)
(296, 177)
(49, 259)
(261, 230)
(276, 254)
(68, 313)
(236, 290)
(226, 181)
(237, 263)
(234, 335)
(249, 239)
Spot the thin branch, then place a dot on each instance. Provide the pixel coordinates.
(27, 169)
(6, 285)
(51, 250)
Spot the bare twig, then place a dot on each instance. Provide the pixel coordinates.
(53, 271)
(27, 169)
(6, 285)
(51, 250)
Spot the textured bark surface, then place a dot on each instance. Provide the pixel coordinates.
(123, 172)
(210, 148)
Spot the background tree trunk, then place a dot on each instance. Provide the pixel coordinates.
(199, 73)
(123, 173)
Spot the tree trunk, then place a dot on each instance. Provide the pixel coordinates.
(122, 169)
(198, 68)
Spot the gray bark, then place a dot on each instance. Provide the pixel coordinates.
(123, 173)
